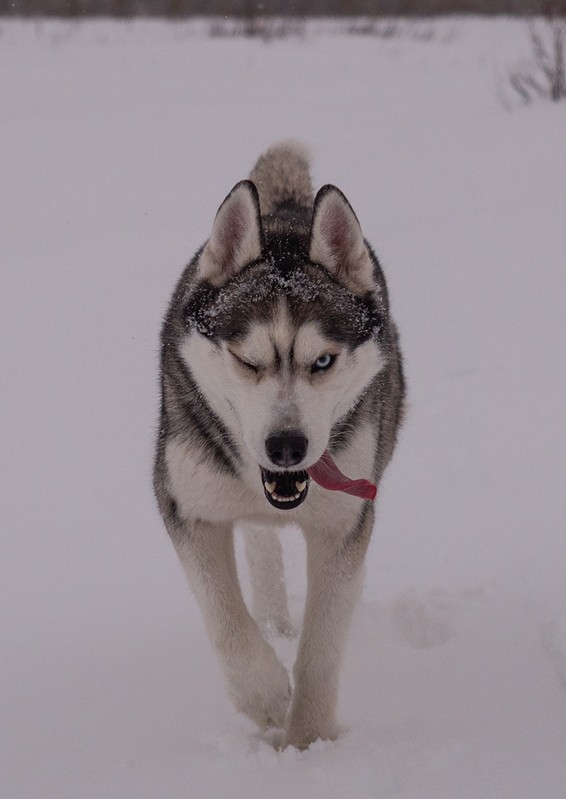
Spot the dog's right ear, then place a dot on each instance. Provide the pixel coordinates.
(237, 237)
(337, 242)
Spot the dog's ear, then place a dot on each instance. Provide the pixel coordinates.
(236, 238)
(337, 242)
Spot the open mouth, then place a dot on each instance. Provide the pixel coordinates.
(285, 490)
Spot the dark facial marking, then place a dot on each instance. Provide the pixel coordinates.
(311, 294)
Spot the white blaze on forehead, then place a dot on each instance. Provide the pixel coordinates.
(280, 335)
(264, 339)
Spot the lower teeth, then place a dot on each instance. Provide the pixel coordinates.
(284, 499)
(270, 487)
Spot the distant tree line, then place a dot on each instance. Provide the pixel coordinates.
(262, 8)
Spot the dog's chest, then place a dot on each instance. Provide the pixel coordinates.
(208, 494)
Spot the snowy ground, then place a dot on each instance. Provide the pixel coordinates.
(117, 143)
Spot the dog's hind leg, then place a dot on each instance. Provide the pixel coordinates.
(334, 563)
(258, 684)
(265, 561)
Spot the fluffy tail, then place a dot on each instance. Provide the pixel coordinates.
(282, 177)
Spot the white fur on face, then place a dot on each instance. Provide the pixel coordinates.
(283, 394)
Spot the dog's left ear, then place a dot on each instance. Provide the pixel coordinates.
(337, 242)
(236, 238)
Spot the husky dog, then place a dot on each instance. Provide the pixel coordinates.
(280, 375)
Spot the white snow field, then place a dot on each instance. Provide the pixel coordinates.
(118, 143)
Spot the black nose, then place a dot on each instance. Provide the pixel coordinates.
(287, 448)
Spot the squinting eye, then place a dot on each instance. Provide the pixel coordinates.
(324, 362)
(246, 364)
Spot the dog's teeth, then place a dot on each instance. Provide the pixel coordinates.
(270, 487)
(300, 486)
(296, 496)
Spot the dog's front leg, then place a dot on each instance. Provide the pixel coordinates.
(265, 562)
(334, 566)
(258, 683)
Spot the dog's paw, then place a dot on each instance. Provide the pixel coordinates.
(305, 726)
(261, 689)
(303, 737)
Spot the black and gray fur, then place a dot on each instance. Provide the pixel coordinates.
(261, 259)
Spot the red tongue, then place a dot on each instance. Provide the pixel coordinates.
(328, 475)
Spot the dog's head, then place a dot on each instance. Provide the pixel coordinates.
(283, 332)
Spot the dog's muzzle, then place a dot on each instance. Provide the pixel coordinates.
(285, 490)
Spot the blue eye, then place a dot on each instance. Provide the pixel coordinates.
(324, 362)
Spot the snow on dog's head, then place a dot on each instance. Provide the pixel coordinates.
(283, 326)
